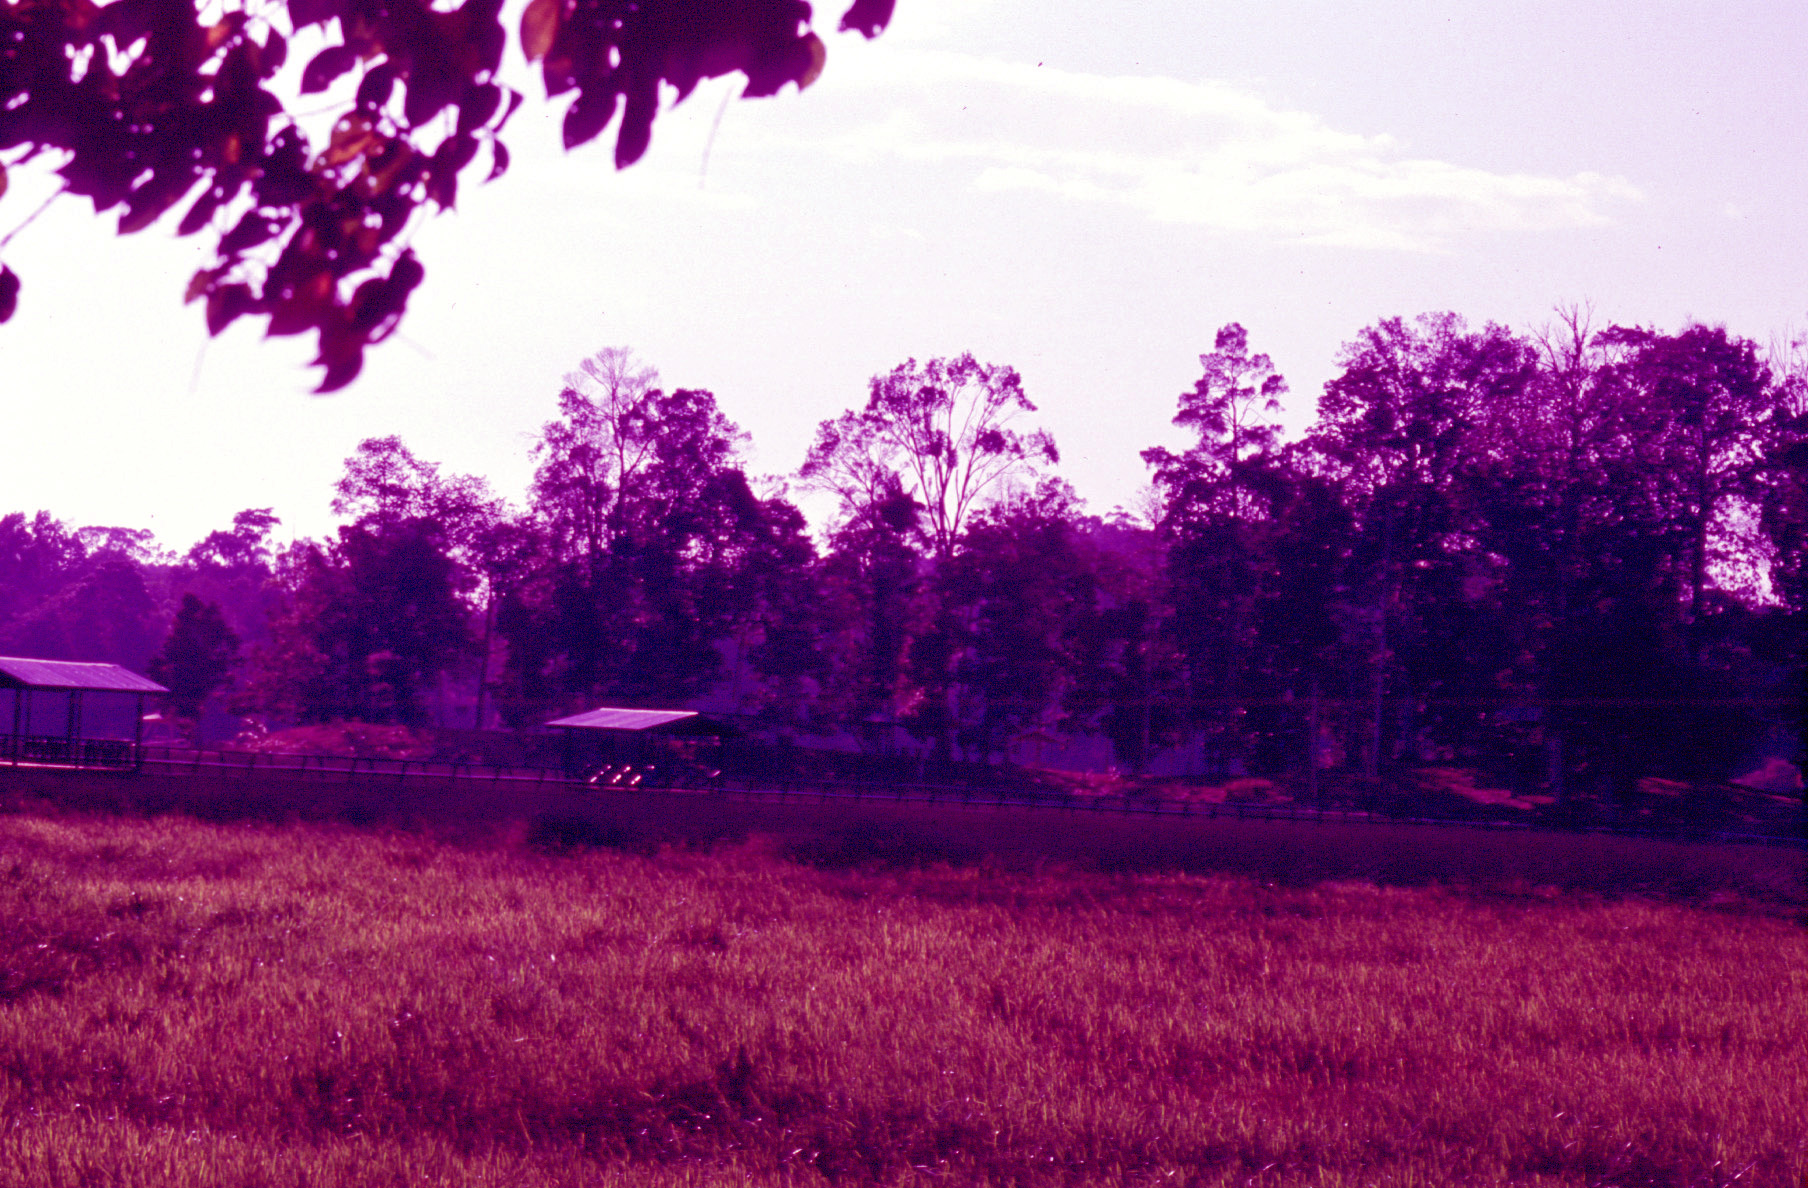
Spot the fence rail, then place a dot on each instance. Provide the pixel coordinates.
(174, 759)
(61, 751)
(402, 772)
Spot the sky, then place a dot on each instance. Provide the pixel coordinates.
(1085, 192)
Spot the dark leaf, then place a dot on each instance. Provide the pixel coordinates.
(198, 284)
(589, 114)
(22, 124)
(314, 12)
(432, 87)
(128, 20)
(442, 187)
(559, 74)
(342, 354)
(227, 303)
(477, 106)
(327, 65)
(371, 305)
(303, 258)
(686, 82)
(9, 292)
(868, 16)
(406, 274)
(150, 200)
(307, 305)
(376, 87)
(378, 305)
(775, 66)
(637, 124)
(252, 230)
(275, 53)
(488, 38)
(393, 209)
(499, 157)
(454, 153)
(235, 84)
(458, 150)
(97, 171)
(286, 179)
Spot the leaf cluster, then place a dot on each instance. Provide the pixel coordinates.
(152, 104)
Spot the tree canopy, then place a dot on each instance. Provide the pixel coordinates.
(155, 103)
(1570, 561)
(197, 657)
(941, 433)
(646, 547)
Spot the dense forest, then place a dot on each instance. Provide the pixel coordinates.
(1574, 557)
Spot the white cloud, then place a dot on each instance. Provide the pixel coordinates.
(1204, 153)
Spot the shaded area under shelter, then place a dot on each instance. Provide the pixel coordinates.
(70, 713)
(618, 746)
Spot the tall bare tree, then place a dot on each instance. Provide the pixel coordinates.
(946, 430)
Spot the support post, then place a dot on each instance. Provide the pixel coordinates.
(1554, 765)
(1312, 744)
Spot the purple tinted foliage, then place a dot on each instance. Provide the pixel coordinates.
(153, 106)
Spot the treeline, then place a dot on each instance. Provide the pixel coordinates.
(1573, 557)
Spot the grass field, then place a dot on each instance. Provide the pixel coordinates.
(188, 1004)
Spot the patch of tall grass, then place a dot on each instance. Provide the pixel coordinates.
(184, 1004)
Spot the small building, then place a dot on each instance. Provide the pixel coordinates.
(676, 743)
(69, 713)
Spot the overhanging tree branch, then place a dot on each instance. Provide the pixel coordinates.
(156, 103)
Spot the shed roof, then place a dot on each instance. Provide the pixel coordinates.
(612, 718)
(22, 673)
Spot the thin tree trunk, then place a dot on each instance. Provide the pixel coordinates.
(1553, 761)
(1372, 764)
(1312, 744)
(1379, 681)
(483, 663)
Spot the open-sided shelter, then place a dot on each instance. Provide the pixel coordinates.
(611, 734)
(70, 713)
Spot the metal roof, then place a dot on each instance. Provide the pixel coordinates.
(611, 718)
(24, 673)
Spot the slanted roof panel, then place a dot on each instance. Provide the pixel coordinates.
(73, 674)
(612, 718)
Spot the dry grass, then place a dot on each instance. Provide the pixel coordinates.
(185, 1004)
